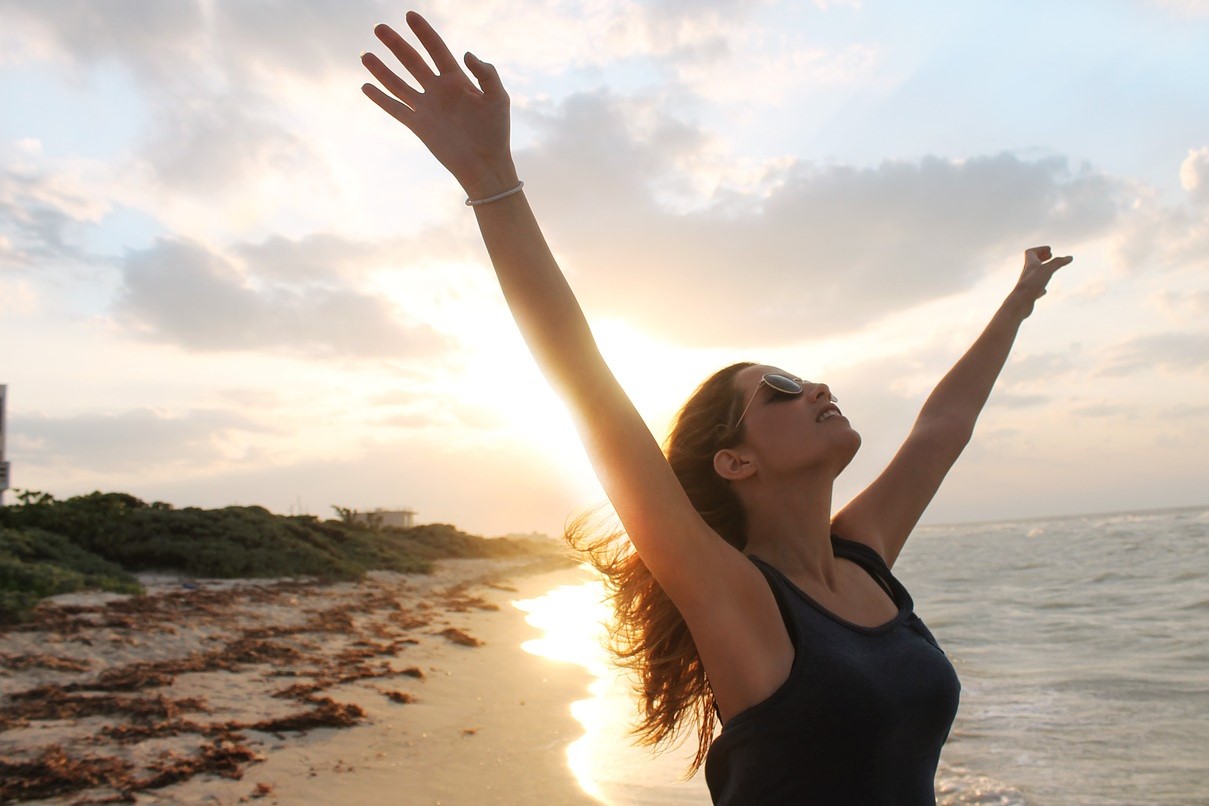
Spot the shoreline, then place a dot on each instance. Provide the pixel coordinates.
(396, 689)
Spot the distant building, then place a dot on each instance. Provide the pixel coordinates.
(4, 466)
(528, 536)
(398, 518)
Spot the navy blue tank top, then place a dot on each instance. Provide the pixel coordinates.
(861, 717)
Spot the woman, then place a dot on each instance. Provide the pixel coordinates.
(742, 598)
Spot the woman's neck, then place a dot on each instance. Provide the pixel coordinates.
(791, 529)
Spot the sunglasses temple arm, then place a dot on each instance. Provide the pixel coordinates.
(750, 400)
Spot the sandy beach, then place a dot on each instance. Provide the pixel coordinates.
(399, 689)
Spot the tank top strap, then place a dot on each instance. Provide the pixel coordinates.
(854, 550)
(782, 591)
(870, 560)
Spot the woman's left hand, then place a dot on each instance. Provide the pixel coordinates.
(466, 128)
(1039, 267)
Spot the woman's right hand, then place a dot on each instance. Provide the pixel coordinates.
(466, 128)
(1039, 266)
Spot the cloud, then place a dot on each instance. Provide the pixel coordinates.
(1178, 351)
(224, 84)
(816, 249)
(211, 121)
(766, 71)
(555, 34)
(160, 42)
(1194, 413)
(317, 256)
(1014, 400)
(214, 140)
(182, 293)
(304, 39)
(17, 296)
(1169, 237)
(134, 439)
(1036, 366)
(1189, 304)
(40, 218)
(1186, 8)
(1103, 410)
(720, 52)
(1158, 237)
(717, 50)
(1194, 175)
(153, 38)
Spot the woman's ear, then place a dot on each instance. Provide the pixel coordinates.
(732, 465)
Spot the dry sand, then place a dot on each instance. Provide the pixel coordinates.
(401, 689)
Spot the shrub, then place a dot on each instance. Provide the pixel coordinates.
(95, 540)
(35, 564)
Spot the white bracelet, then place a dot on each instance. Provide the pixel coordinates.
(496, 197)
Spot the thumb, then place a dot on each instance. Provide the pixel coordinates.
(486, 73)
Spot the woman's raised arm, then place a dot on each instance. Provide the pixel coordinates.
(467, 130)
(886, 512)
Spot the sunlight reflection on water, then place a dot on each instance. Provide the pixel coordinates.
(572, 620)
(607, 764)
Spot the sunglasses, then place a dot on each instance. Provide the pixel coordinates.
(782, 384)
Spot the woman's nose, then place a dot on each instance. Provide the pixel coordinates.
(821, 391)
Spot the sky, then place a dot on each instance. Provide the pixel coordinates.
(227, 278)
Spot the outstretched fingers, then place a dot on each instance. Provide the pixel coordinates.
(397, 86)
(433, 43)
(408, 56)
(396, 109)
(464, 127)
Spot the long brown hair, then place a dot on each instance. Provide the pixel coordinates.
(648, 635)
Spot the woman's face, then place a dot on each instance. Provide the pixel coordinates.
(788, 433)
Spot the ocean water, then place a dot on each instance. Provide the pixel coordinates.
(1083, 648)
(1082, 644)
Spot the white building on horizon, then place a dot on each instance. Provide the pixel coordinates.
(397, 518)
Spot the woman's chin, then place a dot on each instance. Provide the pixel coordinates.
(849, 454)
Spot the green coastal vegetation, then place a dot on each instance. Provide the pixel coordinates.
(101, 540)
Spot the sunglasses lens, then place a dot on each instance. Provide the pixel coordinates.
(783, 384)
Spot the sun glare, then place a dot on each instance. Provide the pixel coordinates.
(605, 761)
(572, 620)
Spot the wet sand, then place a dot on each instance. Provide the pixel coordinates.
(401, 689)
